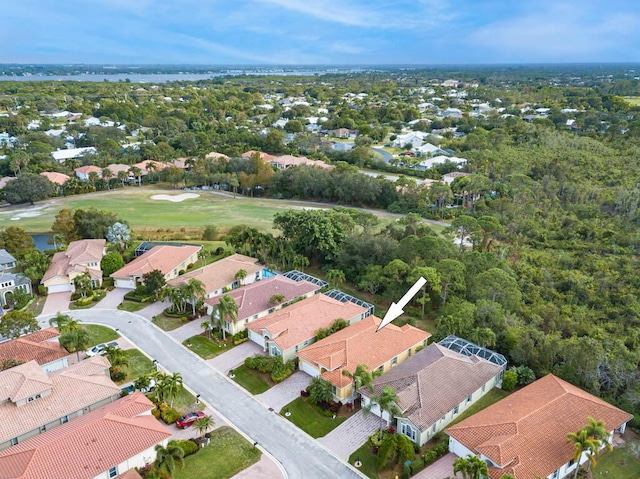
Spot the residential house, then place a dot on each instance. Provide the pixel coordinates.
(61, 155)
(32, 402)
(83, 172)
(449, 178)
(10, 280)
(56, 178)
(256, 300)
(81, 256)
(360, 343)
(413, 138)
(436, 385)
(150, 165)
(288, 161)
(99, 445)
(220, 276)
(439, 160)
(525, 434)
(41, 346)
(169, 260)
(116, 168)
(429, 150)
(344, 133)
(5, 180)
(265, 156)
(214, 155)
(288, 331)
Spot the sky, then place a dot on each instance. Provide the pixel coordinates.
(298, 32)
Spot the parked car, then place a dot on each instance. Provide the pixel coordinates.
(188, 419)
(100, 348)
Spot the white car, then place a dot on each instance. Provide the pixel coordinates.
(100, 348)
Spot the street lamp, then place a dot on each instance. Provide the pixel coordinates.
(197, 398)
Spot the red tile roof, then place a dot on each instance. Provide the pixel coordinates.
(55, 177)
(164, 258)
(35, 346)
(263, 155)
(300, 321)
(527, 431)
(254, 298)
(88, 169)
(360, 344)
(88, 445)
(76, 256)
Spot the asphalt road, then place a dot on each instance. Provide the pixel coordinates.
(301, 455)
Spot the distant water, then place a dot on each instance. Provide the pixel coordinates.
(41, 241)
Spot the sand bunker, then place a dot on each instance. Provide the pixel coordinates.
(26, 214)
(176, 198)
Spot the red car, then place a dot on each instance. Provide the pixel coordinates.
(188, 419)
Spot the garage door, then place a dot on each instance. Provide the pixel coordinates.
(309, 369)
(125, 283)
(59, 288)
(256, 338)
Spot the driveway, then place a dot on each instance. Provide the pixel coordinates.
(154, 309)
(351, 434)
(56, 302)
(265, 468)
(192, 328)
(283, 393)
(235, 356)
(300, 454)
(112, 299)
(441, 469)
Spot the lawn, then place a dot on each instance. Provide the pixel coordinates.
(621, 463)
(166, 323)
(368, 460)
(99, 334)
(226, 455)
(253, 381)
(186, 402)
(308, 418)
(487, 400)
(634, 100)
(139, 365)
(207, 348)
(132, 306)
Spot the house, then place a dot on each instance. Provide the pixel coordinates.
(116, 168)
(440, 160)
(265, 156)
(255, 300)
(99, 445)
(429, 150)
(288, 161)
(62, 155)
(220, 276)
(81, 256)
(414, 139)
(5, 180)
(149, 165)
(83, 172)
(437, 384)
(213, 155)
(525, 434)
(10, 280)
(54, 177)
(41, 346)
(169, 260)
(449, 178)
(7, 262)
(32, 402)
(344, 133)
(360, 344)
(290, 330)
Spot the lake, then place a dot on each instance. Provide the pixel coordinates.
(41, 241)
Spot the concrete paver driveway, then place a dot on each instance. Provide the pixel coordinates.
(112, 299)
(235, 356)
(56, 302)
(441, 469)
(282, 394)
(351, 434)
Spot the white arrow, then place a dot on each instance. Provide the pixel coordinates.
(395, 309)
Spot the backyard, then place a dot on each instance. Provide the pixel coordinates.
(308, 417)
(621, 463)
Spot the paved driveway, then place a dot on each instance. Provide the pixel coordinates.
(112, 299)
(56, 302)
(283, 393)
(301, 455)
(192, 328)
(441, 469)
(351, 434)
(154, 309)
(235, 356)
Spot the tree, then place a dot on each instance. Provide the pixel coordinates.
(583, 444)
(206, 325)
(111, 262)
(463, 227)
(451, 277)
(154, 281)
(240, 276)
(170, 386)
(461, 465)
(28, 188)
(119, 234)
(84, 284)
(75, 340)
(64, 225)
(226, 307)
(16, 323)
(168, 458)
(387, 401)
(335, 277)
(107, 174)
(64, 323)
(362, 378)
(596, 430)
(194, 290)
(320, 391)
(93, 223)
(123, 177)
(36, 264)
(117, 357)
(137, 172)
(433, 283)
(276, 299)
(509, 380)
(16, 241)
(203, 424)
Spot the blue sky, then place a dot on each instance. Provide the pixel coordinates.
(320, 31)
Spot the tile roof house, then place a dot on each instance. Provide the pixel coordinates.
(83, 172)
(360, 344)
(150, 165)
(5, 180)
(263, 155)
(41, 346)
(288, 161)
(99, 445)
(32, 402)
(220, 276)
(449, 178)
(434, 386)
(254, 300)
(214, 155)
(80, 257)
(525, 434)
(169, 260)
(55, 177)
(116, 168)
(289, 330)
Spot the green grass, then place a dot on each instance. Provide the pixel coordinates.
(487, 400)
(73, 305)
(634, 100)
(99, 334)
(306, 417)
(253, 381)
(139, 365)
(206, 348)
(226, 455)
(186, 402)
(166, 323)
(132, 306)
(621, 463)
(368, 460)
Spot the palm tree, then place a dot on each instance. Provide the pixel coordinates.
(167, 458)
(203, 424)
(175, 297)
(335, 277)
(226, 307)
(84, 284)
(117, 357)
(583, 444)
(137, 172)
(362, 378)
(75, 340)
(477, 468)
(196, 291)
(300, 262)
(171, 385)
(320, 390)
(143, 382)
(107, 174)
(64, 323)
(461, 465)
(240, 275)
(596, 430)
(206, 325)
(387, 401)
(123, 176)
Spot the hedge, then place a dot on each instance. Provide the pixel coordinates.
(188, 446)
(84, 301)
(170, 415)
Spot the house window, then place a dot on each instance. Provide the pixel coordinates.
(14, 441)
(556, 474)
(443, 417)
(408, 431)
(43, 428)
(456, 410)
(64, 419)
(484, 387)
(410, 352)
(38, 396)
(296, 348)
(433, 429)
(381, 368)
(469, 399)
(246, 321)
(394, 361)
(571, 463)
(30, 399)
(113, 472)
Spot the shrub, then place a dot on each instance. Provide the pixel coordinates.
(509, 380)
(156, 412)
(436, 452)
(406, 472)
(210, 233)
(84, 301)
(188, 446)
(418, 465)
(124, 393)
(169, 415)
(117, 375)
(405, 448)
(525, 375)
(99, 294)
(42, 290)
